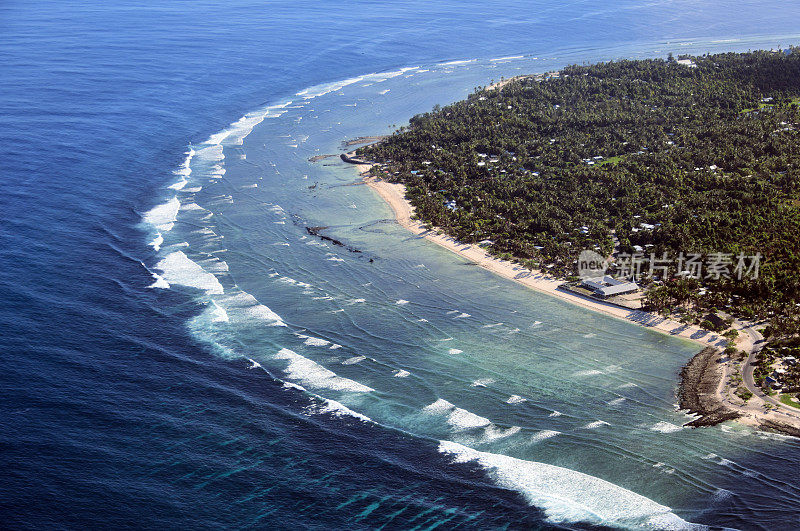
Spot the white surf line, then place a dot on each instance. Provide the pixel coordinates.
(315, 375)
(567, 496)
(177, 268)
(184, 171)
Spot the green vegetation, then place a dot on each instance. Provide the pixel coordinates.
(622, 156)
(782, 355)
(743, 393)
(789, 401)
(731, 334)
(610, 160)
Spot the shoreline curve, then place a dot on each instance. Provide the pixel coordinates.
(704, 387)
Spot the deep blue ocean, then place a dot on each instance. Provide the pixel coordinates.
(177, 351)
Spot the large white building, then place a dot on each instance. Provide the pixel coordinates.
(607, 286)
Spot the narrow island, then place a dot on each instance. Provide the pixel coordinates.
(679, 177)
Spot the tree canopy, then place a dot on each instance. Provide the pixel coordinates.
(652, 156)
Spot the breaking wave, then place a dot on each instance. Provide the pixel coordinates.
(457, 417)
(567, 496)
(315, 375)
(177, 268)
(249, 306)
(564, 495)
(163, 216)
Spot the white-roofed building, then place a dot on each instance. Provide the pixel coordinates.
(607, 286)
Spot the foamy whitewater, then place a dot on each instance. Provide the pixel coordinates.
(314, 375)
(177, 268)
(210, 322)
(568, 496)
(370, 335)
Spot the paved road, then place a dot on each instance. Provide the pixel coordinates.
(749, 367)
(747, 371)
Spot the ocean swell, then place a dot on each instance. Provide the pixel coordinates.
(315, 375)
(567, 496)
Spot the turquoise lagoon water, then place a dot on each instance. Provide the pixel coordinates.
(178, 351)
(573, 410)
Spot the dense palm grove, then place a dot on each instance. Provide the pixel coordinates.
(626, 157)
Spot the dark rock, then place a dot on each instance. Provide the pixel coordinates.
(315, 231)
(697, 392)
(771, 425)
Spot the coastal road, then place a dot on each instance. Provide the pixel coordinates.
(747, 372)
(749, 367)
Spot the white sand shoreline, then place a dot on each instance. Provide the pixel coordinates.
(752, 413)
(394, 195)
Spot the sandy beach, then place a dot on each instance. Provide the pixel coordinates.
(394, 195)
(716, 395)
